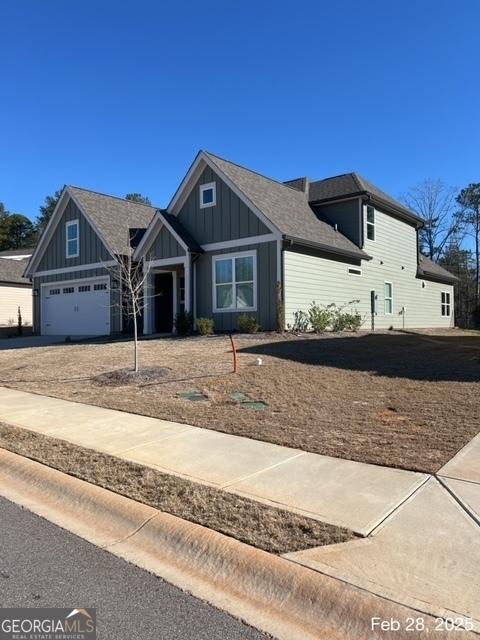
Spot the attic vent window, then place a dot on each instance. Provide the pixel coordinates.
(370, 222)
(72, 240)
(354, 272)
(208, 195)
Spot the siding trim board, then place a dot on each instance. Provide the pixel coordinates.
(231, 244)
(80, 267)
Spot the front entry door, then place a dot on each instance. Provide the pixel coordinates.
(164, 302)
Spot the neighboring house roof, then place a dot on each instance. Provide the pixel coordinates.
(353, 184)
(113, 217)
(16, 254)
(430, 269)
(287, 208)
(174, 223)
(11, 271)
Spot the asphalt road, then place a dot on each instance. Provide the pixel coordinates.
(42, 565)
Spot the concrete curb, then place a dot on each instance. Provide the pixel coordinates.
(268, 592)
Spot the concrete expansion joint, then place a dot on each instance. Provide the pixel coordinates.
(458, 500)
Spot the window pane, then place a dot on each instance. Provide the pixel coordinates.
(370, 232)
(244, 269)
(72, 231)
(223, 271)
(370, 214)
(207, 196)
(244, 295)
(388, 306)
(72, 247)
(224, 296)
(388, 290)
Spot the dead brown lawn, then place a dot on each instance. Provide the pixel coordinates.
(262, 526)
(403, 400)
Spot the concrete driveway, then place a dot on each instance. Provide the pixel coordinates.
(28, 342)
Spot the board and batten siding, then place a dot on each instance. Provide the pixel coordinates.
(165, 246)
(115, 315)
(228, 219)
(313, 277)
(91, 248)
(11, 298)
(266, 287)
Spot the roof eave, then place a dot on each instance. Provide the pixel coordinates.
(435, 277)
(358, 255)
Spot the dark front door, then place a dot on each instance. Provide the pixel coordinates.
(163, 302)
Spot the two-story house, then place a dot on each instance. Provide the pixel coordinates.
(231, 242)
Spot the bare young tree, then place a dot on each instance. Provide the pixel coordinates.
(469, 200)
(132, 281)
(435, 203)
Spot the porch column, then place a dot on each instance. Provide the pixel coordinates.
(188, 283)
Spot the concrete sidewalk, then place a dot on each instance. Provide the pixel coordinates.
(341, 492)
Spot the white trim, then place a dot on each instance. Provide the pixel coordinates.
(354, 271)
(165, 262)
(385, 298)
(194, 292)
(80, 267)
(72, 223)
(206, 187)
(169, 227)
(188, 286)
(240, 242)
(446, 304)
(174, 296)
(233, 256)
(371, 224)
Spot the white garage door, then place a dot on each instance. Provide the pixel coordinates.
(76, 308)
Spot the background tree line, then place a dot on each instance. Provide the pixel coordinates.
(451, 237)
(19, 232)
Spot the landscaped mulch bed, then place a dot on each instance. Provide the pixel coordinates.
(265, 527)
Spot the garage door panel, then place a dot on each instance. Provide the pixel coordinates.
(79, 307)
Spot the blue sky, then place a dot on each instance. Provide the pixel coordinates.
(119, 96)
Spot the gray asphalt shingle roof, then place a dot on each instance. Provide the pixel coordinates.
(427, 267)
(12, 271)
(352, 183)
(287, 208)
(113, 217)
(180, 230)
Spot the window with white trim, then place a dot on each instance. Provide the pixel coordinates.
(446, 304)
(181, 288)
(388, 298)
(208, 195)
(235, 282)
(370, 222)
(72, 239)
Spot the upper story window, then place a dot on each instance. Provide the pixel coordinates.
(446, 305)
(388, 298)
(72, 239)
(235, 282)
(370, 222)
(208, 195)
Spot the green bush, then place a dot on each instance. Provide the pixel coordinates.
(205, 326)
(248, 324)
(320, 317)
(184, 323)
(301, 322)
(349, 320)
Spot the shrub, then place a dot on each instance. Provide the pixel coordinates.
(248, 324)
(205, 326)
(184, 323)
(301, 322)
(320, 317)
(349, 320)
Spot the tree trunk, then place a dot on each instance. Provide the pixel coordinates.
(477, 259)
(135, 343)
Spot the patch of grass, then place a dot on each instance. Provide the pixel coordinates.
(262, 526)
